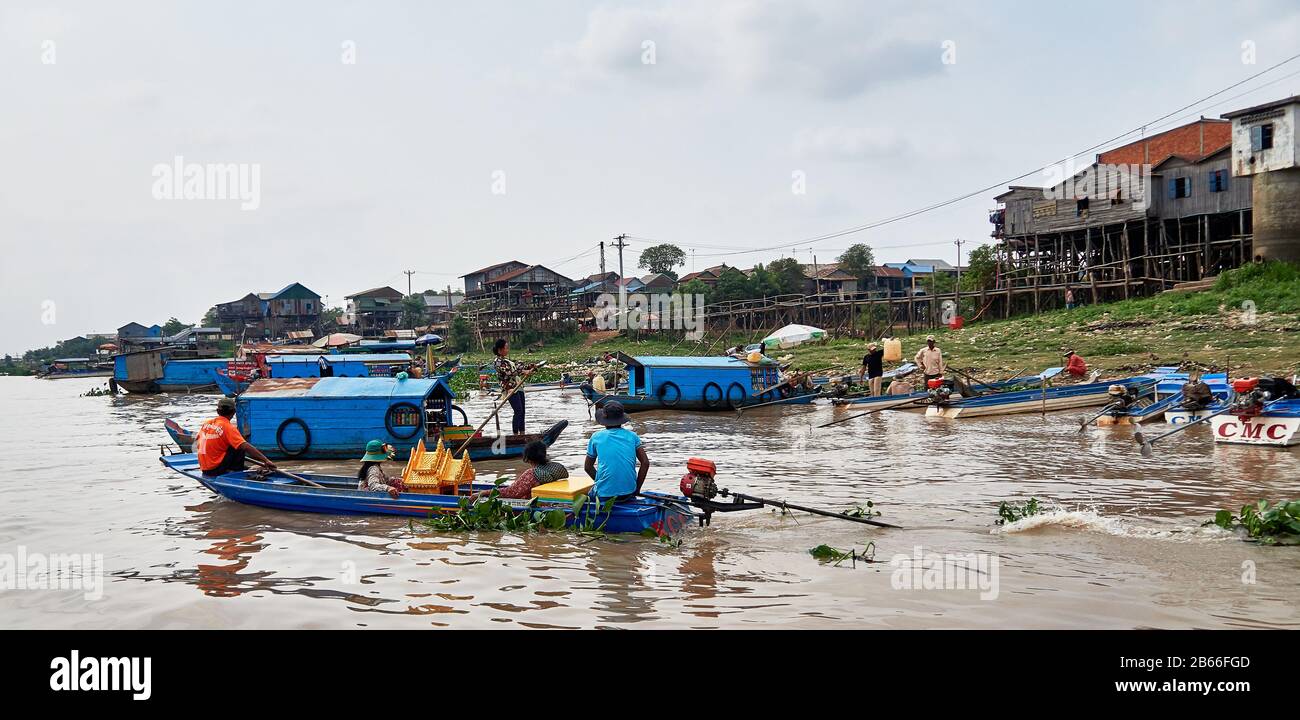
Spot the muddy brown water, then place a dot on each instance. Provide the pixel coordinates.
(1123, 546)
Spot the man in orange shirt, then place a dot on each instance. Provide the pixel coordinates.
(1075, 364)
(220, 447)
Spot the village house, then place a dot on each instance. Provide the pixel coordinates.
(828, 278)
(658, 283)
(293, 308)
(440, 307)
(475, 281)
(373, 311)
(708, 276)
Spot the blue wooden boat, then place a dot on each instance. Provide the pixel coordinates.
(992, 387)
(317, 365)
(664, 514)
(697, 383)
(161, 370)
(1064, 397)
(1172, 385)
(331, 417)
(75, 367)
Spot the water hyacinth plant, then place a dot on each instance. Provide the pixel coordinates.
(1008, 513)
(1276, 524)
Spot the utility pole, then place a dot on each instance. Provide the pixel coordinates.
(409, 273)
(602, 261)
(959, 242)
(622, 243)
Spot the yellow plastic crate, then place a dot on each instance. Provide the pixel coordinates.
(568, 489)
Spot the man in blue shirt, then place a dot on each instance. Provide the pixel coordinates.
(613, 455)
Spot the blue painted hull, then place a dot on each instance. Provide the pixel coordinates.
(642, 403)
(664, 514)
(1066, 397)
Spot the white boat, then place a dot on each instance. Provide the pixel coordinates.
(1263, 412)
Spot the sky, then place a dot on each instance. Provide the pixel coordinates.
(442, 137)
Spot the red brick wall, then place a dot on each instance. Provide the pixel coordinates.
(1198, 138)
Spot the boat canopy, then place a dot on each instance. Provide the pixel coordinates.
(412, 389)
(354, 357)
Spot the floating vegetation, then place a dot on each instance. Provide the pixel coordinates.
(862, 511)
(491, 513)
(99, 392)
(835, 556)
(1276, 524)
(1008, 513)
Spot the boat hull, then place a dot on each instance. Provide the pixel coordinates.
(643, 403)
(1282, 431)
(1068, 397)
(666, 515)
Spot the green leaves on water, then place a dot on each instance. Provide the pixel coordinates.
(862, 511)
(835, 556)
(1008, 513)
(1276, 524)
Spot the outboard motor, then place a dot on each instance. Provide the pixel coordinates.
(940, 390)
(698, 483)
(1250, 397)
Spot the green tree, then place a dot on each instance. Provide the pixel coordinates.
(732, 285)
(981, 270)
(788, 276)
(697, 287)
(412, 310)
(459, 335)
(763, 283)
(858, 260)
(173, 326)
(662, 259)
(211, 318)
(329, 318)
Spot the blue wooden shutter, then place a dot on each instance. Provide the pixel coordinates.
(1257, 138)
(1173, 188)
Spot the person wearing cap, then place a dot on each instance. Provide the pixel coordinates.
(873, 367)
(371, 474)
(221, 448)
(930, 359)
(1075, 364)
(613, 455)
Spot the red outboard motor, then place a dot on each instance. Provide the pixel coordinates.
(698, 483)
(1250, 398)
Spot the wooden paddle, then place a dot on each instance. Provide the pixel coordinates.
(742, 408)
(497, 409)
(285, 473)
(874, 410)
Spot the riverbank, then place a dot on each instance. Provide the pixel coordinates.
(1248, 324)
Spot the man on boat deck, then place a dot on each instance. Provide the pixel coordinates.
(220, 447)
(1196, 394)
(873, 367)
(1075, 364)
(930, 359)
(613, 455)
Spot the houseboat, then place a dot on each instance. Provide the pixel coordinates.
(334, 417)
(76, 367)
(697, 383)
(165, 370)
(238, 374)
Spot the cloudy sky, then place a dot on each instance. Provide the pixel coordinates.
(445, 136)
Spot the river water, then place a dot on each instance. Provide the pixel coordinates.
(1122, 546)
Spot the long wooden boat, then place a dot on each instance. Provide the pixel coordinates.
(339, 495)
(323, 418)
(1065, 397)
(1137, 414)
(698, 384)
(1025, 381)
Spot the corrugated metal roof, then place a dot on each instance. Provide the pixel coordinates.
(683, 361)
(350, 357)
(411, 389)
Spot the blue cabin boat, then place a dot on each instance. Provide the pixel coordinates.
(321, 365)
(665, 514)
(153, 371)
(334, 417)
(696, 383)
(75, 367)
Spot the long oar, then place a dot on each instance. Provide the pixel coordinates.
(497, 409)
(1015, 375)
(1146, 444)
(785, 400)
(788, 506)
(972, 378)
(299, 478)
(874, 410)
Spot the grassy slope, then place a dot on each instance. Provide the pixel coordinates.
(1211, 328)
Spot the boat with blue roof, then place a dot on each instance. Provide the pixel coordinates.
(699, 383)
